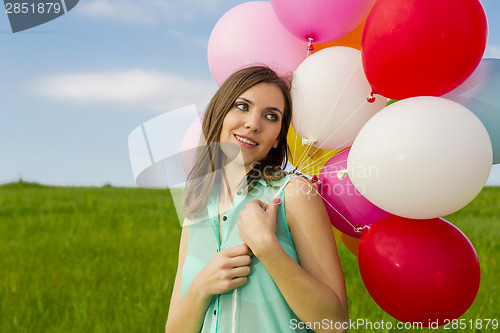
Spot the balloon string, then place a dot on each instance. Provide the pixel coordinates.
(345, 142)
(356, 229)
(304, 157)
(295, 173)
(305, 154)
(361, 229)
(305, 162)
(338, 128)
(341, 125)
(326, 157)
(332, 113)
(318, 161)
(310, 47)
(325, 170)
(308, 164)
(371, 98)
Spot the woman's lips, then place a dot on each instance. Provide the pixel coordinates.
(246, 140)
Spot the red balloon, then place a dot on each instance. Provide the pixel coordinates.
(419, 270)
(422, 47)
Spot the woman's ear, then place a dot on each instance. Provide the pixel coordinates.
(275, 144)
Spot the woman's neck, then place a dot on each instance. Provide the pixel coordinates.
(233, 177)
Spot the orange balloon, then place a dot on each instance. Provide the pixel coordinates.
(307, 159)
(351, 243)
(352, 39)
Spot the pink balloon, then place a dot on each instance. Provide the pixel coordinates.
(190, 143)
(348, 203)
(321, 20)
(250, 33)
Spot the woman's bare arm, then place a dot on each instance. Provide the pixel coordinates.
(185, 315)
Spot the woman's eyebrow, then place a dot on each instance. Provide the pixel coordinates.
(246, 100)
(271, 108)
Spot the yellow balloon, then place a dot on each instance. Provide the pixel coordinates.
(337, 234)
(307, 159)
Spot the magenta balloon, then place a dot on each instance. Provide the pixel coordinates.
(250, 33)
(321, 20)
(348, 203)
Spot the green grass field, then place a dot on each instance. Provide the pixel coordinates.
(104, 260)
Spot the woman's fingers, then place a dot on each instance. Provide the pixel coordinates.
(228, 283)
(237, 250)
(238, 261)
(228, 269)
(237, 282)
(237, 272)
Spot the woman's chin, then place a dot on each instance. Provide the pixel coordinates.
(231, 151)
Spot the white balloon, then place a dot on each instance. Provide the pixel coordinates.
(421, 157)
(329, 93)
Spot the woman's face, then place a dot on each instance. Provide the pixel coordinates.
(253, 124)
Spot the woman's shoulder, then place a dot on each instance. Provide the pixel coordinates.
(303, 204)
(300, 183)
(301, 192)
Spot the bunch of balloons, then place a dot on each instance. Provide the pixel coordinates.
(387, 173)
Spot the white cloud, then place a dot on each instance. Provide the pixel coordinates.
(132, 89)
(492, 51)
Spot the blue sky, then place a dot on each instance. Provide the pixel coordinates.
(73, 89)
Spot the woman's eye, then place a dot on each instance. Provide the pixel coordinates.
(242, 106)
(272, 117)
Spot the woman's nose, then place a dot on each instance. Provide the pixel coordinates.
(252, 123)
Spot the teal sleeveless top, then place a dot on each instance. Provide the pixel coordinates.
(258, 305)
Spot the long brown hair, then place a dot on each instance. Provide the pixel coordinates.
(208, 160)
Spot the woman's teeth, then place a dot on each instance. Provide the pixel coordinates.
(245, 140)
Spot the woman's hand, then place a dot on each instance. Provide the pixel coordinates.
(227, 270)
(257, 225)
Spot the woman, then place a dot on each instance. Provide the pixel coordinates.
(257, 253)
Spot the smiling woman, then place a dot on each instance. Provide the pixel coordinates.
(240, 244)
(253, 123)
(245, 105)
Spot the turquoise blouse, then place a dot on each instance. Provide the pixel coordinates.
(258, 305)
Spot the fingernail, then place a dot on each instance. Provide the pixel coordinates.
(278, 201)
